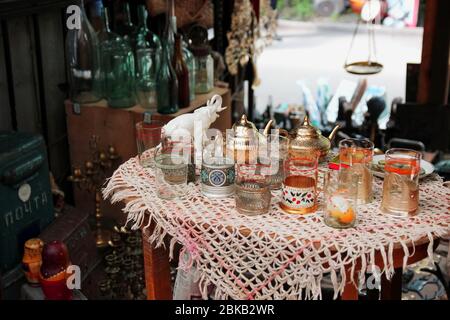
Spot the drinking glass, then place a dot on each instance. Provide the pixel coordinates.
(146, 94)
(182, 145)
(300, 183)
(340, 200)
(356, 156)
(273, 150)
(214, 146)
(171, 171)
(148, 136)
(217, 173)
(401, 182)
(252, 189)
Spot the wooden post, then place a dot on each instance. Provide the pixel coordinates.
(157, 271)
(5, 110)
(434, 68)
(350, 289)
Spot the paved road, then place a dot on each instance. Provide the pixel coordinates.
(308, 51)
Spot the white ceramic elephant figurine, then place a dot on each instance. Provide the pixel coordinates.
(195, 124)
(205, 116)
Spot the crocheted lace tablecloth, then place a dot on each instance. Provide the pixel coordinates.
(275, 255)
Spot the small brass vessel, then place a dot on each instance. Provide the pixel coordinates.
(243, 143)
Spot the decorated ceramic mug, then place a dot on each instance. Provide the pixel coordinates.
(217, 178)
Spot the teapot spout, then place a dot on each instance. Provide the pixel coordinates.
(267, 127)
(333, 133)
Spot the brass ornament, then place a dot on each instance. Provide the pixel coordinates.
(91, 179)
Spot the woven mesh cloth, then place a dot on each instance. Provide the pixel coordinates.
(275, 255)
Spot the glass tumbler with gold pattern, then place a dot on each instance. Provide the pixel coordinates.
(171, 173)
(252, 189)
(355, 156)
(401, 182)
(273, 150)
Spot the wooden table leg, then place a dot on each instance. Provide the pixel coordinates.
(157, 271)
(392, 290)
(350, 289)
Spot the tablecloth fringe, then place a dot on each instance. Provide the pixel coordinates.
(118, 190)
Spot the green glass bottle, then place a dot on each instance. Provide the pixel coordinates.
(105, 33)
(124, 26)
(119, 69)
(166, 83)
(148, 50)
(171, 27)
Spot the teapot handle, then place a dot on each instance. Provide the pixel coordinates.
(284, 133)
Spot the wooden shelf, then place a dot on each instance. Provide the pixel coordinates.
(199, 101)
(225, 121)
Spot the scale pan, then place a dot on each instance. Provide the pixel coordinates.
(363, 67)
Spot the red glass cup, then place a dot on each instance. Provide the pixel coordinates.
(148, 136)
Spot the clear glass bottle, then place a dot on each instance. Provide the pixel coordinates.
(204, 69)
(190, 62)
(166, 83)
(83, 62)
(119, 68)
(182, 73)
(148, 50)
(105, 35)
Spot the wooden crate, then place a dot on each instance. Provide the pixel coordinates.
(117, 127)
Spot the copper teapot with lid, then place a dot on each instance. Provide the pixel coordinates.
(307, 138)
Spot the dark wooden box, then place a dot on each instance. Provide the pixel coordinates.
(26, 206)
(73, 229)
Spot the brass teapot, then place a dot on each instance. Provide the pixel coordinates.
(307, 138)
(244, 141)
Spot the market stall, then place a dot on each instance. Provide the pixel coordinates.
(139, 160)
